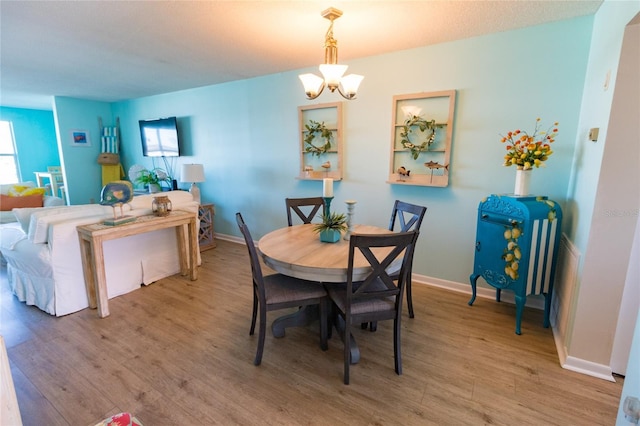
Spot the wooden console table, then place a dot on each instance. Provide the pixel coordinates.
(93, 236)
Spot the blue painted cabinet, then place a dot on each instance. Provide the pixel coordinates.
(517, 241)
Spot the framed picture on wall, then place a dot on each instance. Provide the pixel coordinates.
(80, 138)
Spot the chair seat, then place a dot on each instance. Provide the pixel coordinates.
(280, 288)
(338, 293)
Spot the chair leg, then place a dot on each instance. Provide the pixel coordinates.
(409, 297)
(324, 310)
(254, 314)
(330, 322)
(396, 346)
(261, 334)
(347, 349)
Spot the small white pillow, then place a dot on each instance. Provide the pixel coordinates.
(23, 215)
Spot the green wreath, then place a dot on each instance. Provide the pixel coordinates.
(312, 128)
(423, 125)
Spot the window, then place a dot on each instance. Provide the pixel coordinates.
(8, 157)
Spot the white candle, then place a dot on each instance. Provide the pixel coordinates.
(327, 187)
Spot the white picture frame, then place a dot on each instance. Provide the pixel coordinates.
(80, 138)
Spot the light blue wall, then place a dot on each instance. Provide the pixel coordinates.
(246, 134)
(83, 178)
(35, 137)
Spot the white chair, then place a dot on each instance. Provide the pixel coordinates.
(56, 173)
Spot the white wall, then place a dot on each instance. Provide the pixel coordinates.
(605, 190)
(82, 174)
(632, 380)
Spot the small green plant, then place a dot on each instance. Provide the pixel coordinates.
(335, 221)
(153, 177)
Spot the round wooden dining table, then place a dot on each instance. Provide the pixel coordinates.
(297, 251)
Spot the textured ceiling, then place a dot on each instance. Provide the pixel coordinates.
(115, 50)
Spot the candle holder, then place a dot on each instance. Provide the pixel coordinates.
(327, 205)
(350, 206)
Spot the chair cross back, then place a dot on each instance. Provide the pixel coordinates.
(379, 268)
(295, 203)
(415, 219)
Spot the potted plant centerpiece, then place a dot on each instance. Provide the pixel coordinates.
(331, 227)
(153, 179)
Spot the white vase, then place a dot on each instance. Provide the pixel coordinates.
(523, 178)
(154, 187)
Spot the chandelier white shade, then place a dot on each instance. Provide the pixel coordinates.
(333, 73)
(193, 173)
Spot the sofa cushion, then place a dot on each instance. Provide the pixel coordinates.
(23, 215)
(8, 203)
(39, 221)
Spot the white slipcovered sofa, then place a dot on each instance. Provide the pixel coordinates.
(44, 267)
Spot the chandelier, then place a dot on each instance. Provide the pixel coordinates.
(347, 86)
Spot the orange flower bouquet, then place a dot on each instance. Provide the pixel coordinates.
(527, 151)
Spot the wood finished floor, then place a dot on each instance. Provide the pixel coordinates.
(179, 353)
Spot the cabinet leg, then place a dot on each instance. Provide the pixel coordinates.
(520, 301)
(473, 278)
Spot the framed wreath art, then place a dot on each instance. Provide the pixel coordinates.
(421, 137)
(320, 141)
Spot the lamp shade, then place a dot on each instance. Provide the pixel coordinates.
(332, 73)
(312, 84)
(192, 173)
(350, 84)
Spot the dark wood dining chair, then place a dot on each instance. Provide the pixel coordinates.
(278, 291)
(294, 204)
(379, 296)
(409, 218)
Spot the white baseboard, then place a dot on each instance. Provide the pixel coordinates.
(589, 368)
(507, 296)
(579, 365)
(230, 238)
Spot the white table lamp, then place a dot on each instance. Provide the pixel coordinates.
(193, 173)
